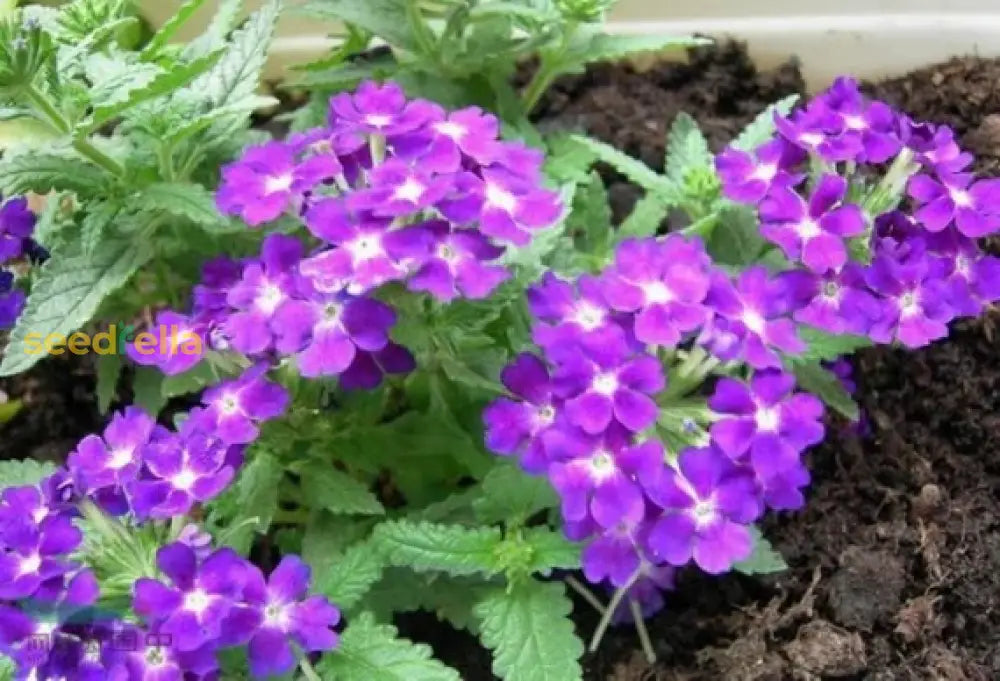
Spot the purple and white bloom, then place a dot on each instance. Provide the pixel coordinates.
(178, 344)
(603, 481)
(783, 492)
(601, 387)
(111, 462)
(325, 331)
(397, 189)
(615, 554)
(141, 655)
(368, 368)
(664, 282)
(193, 608)
(914, 296)
(235, 408)
(375, 110)
(707, 504)
(935, 146)
(17, 223)
(748, 177)
(286, 613)
(519, 426)
(869, 131)
(765, 422)
(457, 263)
(813, 232)
(464, 134)
(837, 302)
(750, 319)
(209, 304)
(973, 206)
(267, 180)
(35, 554)
(264, 286)
(973, 278)
(570, 315)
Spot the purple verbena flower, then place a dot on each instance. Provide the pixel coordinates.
(178, 344)
(35, 554)
(236, 408)
(570, 315)
(464, 134)
(11, 301)
(368, 368)
(17, 223)
(935, 146)
(375, 110)
(748, 176)
(457, 263)
(973, 206)
(104, 466)
(837, 302)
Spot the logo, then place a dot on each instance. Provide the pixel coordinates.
(164, 340)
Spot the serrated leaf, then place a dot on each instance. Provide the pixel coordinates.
(372, 652)
(687, 150)
(67, 292)
(764, 560)
(95, 224)
(589, 222)
(164, 84)
(644, 220)
(425, 547)
(735, 238)
(814, 378)
(170, 28)
(551, 550)
(569, 160)
(351, 575)
(147, 389)
(761, 128)
(256, 497)
(14, 473)
(42, 173)
(109, 369)
(386, 19)
(239, 109)
(826, 347)
(635, 170)
(186, 200)
(607, 47)
(510, 494)
(323, 486)
(326, 536)
(530, 632)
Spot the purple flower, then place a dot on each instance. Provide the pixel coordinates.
(748, 177)
(765, 421)
(397, 189)
(707, 504)
(647, 592)
(520, 426)
(209, 297)
(35, 554)
(326, 331)
(615, 554)
(750, 319)
(664, 283)
(973, 278)
(836, 302)
(868, 130)
(607, 386)
(974, 207)
(174, 344)
(17, 223)
(375, 110)
(138, 655)
(235, 408)
(286, 613)
(603, 481)
(457, 264)
(110, 463)
(264, 286)
(464, 134)
(368, 368)
(936, 147)
(11, 301)
(815, 231)
(267, 180)
(570, 315)
(783, 492)
(193, 609)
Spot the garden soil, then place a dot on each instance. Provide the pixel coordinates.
(895, 564)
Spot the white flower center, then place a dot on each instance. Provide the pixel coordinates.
(197, 601)
(156, 657)
(229, 404)
(831, 290)
(807, 229)
(606, 384)
(452, 130)
(378, 120)
(30, 564)
(855, 122)
(39, 514)
(276, 615)
(269, 298)
(365, 248)
(501, 198)
(447, 253)
(704, 512)
(411, 190)
(767, 419)
(602, 465)
(278, 183)
(183, 480)
(765, 172)
(753, 321)
(963, 266)
(811, 139)
(961, 198)
(909, 304)
(545, 415)
(588, 316)
(657, 293)
(120, 457)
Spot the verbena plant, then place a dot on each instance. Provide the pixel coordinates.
(427, 296)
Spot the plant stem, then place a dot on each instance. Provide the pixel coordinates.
(585, 593)
(616, 600)
(308, 670)
(640, 627)
(547, 71)
(86, 149)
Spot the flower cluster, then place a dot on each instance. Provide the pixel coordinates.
(391, 191)
(919, 266)
(17, 223)
(585, 412)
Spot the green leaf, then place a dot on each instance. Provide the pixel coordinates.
(236, 76)
(327, 536)
(351, 575)
(186, 200)
(764, 560)
(636, 171)
(386, 19)
(530, 632)
(447, 548)
(826, 347)
(812, 377)
(735, 239)
(147, 388)
(511, 495)
(25, 472)
(372, 652)
(761, 129)
(590, 220)
(42, 173)
(644, 220)
(164, 84)
(67, 292)
(170, 28)
(569, 159)
(95, 224)
(323, 486)
(551, 550)
(211, 370)
(257, 498)
(687, 150)
(606, 47)
(109, 369)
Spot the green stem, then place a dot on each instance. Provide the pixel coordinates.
(86, 149)
(585, 593)
(616, 600)
(308, 670)
(45, 107)
(547, 72)
(640, 628)
(166, 162)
